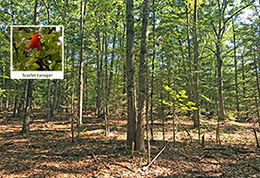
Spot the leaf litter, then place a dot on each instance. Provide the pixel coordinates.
(48, 152)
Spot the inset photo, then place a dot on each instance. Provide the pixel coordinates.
(37, 52)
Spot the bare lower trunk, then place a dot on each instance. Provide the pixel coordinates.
(131, 91)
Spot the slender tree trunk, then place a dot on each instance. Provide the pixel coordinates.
(72, 84)
(81, 64)
(98, 105)
(189, 52)
(220, 85)
(124, 82)
(161, 99)
(220, 93)
(49, 99)
(152, 79)
(130, 67)
(26, 119)
(13, 15)
(106, 78)
(196, 119)
(162, 110)
(36, 13)
(86, 88)
(4, 85)
(257, 84)
(55, 99)
(102, 73)
(169, 69)
(15, 110)
(7, 103)
(235, 58)
(22, 98)
(49, 81)
(147, 118)
(257, 111)
(244, 83)
(142, 78)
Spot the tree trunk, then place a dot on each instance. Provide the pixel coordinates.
(220, 85)
(235, 58)
(196, 71)
(49, 99)
(26, 119)
(152, 79)
(244, 83)
(55, 99)
(98, 102)
(16, 100)
(86, 88)
(106, 77)
(22, 98)
(81, 64)
(72, 84)
(49, 113)
(189, 53)
(257, 85)
(131, 91)
(142, 78)
(161, 98)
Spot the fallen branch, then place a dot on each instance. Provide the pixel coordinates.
(209, 156)
(254, 167)
(257, 143)
(156, 156)
(126, 167)
(215, 148)
(97, 161)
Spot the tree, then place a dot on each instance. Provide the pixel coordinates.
(142, 78)
(131, 90)
(26, 119)
(196, 116)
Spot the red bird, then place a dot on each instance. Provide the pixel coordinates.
(35, 42)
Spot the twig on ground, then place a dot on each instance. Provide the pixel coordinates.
(156, 156)
(257, 143)
(96, 160)
(126, 167)
(254, 167)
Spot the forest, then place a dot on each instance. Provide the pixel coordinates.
(151, 88)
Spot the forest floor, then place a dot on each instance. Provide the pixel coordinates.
(48, 151)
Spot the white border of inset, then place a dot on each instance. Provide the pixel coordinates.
(36, 74)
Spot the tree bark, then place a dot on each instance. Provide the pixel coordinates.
(106, 92)
(98, 101)
(196, 119)
(16, 100)
(55, 99)
(26, 119)
(72, 83)
(152, 79)
(81, 64)
(235, 58)
(131, 90)
(142, 78)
